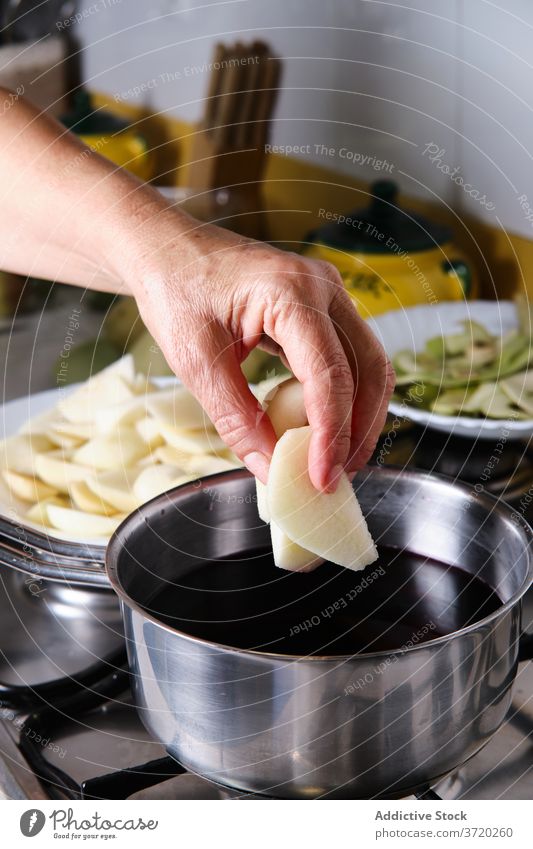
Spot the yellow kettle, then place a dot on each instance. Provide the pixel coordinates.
(109, 135)
(389, 257)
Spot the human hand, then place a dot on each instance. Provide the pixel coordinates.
(210, 299)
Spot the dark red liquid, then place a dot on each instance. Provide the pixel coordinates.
(248, 603)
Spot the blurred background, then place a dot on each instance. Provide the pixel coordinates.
(393, 139)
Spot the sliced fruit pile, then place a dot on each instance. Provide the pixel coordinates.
(109, 446)
(472, 373)
(307, 526)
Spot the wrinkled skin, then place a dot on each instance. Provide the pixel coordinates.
(207, 295)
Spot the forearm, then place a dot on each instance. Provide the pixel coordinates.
(207, 295)
(66, 213)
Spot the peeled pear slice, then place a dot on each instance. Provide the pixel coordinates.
(109, 386)
(331, 525)
(283, 401)
(142, 385)
(57, 471)
(85, 499)
(208, 464)
(108, 419)
(39, 424)
(171, 456)
(80, 431)
(38, 514)
(177, 408)
(116, 488)
(262, 501)
(27, 488)
(154, 480)
(193, 441)
(289, 555)
(285, 406)
(18, 452)
(114, 451)
(82, 524)
(265, 388)
(63, 440)
(148, 429)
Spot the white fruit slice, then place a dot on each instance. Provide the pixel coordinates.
(154, 480)
(82, 524)
(68, 435)
(85, 499)
(110, 386)
(177, 408)
(116, 488)
(148, 429)
(40, 424)
(285, 406)
(171, 456)
(208, 464)
(265, 388)
(115, 451)
(27, 488)
(18, 453)
(193, 441)
(142, 385)
(64, 440)
(39, 512)
(289, 555)
(78, 430)
(262, 501)
(57, 471)
(329, 524)
(108, 419)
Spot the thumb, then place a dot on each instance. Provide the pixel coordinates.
(216, 379)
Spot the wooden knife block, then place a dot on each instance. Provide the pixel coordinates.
(239, 173)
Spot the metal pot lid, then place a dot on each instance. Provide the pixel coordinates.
(382, 227)
(36, 553)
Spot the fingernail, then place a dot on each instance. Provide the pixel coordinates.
(258, 464)
(333, 478)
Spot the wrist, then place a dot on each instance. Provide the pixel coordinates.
(153, 244)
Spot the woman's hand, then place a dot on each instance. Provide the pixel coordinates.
(207, 295)
(209, 307)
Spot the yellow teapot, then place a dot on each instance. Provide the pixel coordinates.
(109, 135)
(390, 257)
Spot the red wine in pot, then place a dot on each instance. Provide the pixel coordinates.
(248, 603)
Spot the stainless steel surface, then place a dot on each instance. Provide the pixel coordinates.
(296, 727)
(31, 552)
(16, 778)
(112, 738)
(49, 630)
(30, 346)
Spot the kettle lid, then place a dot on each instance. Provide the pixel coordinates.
(381, 227)
(86, 120)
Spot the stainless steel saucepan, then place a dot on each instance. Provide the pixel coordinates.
(246, 712)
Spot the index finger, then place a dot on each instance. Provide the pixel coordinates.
(317, 359)
(373, 378)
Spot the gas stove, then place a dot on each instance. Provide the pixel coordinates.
(69, 729)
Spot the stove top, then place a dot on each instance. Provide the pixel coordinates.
(69, 730)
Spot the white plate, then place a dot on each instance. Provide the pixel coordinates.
(412, 327)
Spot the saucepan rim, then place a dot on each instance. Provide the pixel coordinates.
(116, 544)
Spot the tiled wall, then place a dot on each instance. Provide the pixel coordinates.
(373, 82)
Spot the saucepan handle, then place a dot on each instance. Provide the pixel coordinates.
(525, 647)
